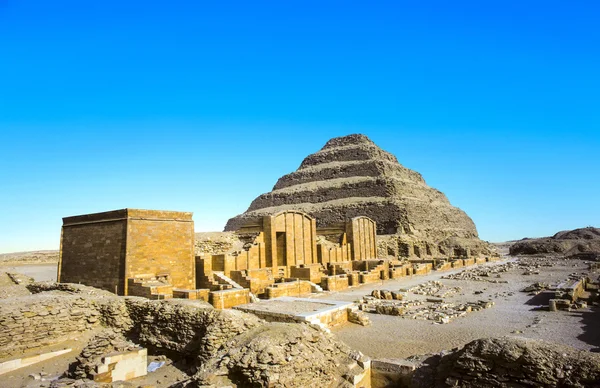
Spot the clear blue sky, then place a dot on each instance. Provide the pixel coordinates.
(201, 107)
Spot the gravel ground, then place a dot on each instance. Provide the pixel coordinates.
(513, 314)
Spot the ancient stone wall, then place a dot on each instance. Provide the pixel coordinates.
(161, 242)
(290, 239)
(103, 250)
(334, 283)
(362, 235)
(297, 288)
(226, 299)
(93, 252)
(26, 323)
(311, 272)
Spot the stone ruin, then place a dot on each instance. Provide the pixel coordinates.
(351, 176)
(150, 253)
(435, 307)
(216, 347)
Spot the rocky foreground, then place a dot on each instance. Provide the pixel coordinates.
(508, 362)
(222, 347)
(204, 347)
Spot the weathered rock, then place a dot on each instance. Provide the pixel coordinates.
(351, 176)
(569, 243)
(518, 362)
(285, 355)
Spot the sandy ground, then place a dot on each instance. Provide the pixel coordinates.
(515, 313)
(39, 272)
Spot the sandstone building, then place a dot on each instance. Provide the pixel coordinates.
(288, 245)
(106, 250)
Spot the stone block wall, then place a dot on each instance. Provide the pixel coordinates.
(335, 283)
(200, 294)
(226, 299)
(444, 266)
(422, 269)
(256, 280)
(397, 272)
(332, 317)
(340, 268)
(468, 262)
(327, 254)
(290, 239)
(92, 251)
(103, 250)
(296, 288)
(311, 272)
(369, 277)
(26, 323)
(353, 279)
(362, 235)
(160, 242)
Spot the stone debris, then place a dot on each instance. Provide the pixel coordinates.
(504, 294)
(286, 355)
(90, 358)
(484, 274)
(434, 288)
(388, 295)
(536, 288)
(19, 279)
(432, 309)
(358, 317)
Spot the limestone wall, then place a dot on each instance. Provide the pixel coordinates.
(226, 299)
(361, 233)
(26, 323)
(161, 243)
(104, 249)
(334, 283)
(94, 253)
(311, 272)
(290, 239)
(298, 288)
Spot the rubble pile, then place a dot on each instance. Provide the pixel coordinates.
(536, 288)
(286, 355)
(387, 295)
(484, 274)
(106, 342)
(433, 288)
(534, 263)
(432, 309)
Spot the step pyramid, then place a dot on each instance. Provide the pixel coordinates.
(351, 176)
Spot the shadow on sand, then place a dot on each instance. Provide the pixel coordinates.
(590, 321)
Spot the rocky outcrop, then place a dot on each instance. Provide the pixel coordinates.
(286, 355)
(517, 362)
(223, 347)
(351, 176)
(568, 243)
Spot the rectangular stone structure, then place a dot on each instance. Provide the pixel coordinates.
(103, 250)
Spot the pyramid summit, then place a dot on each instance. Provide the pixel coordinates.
(351, 176)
